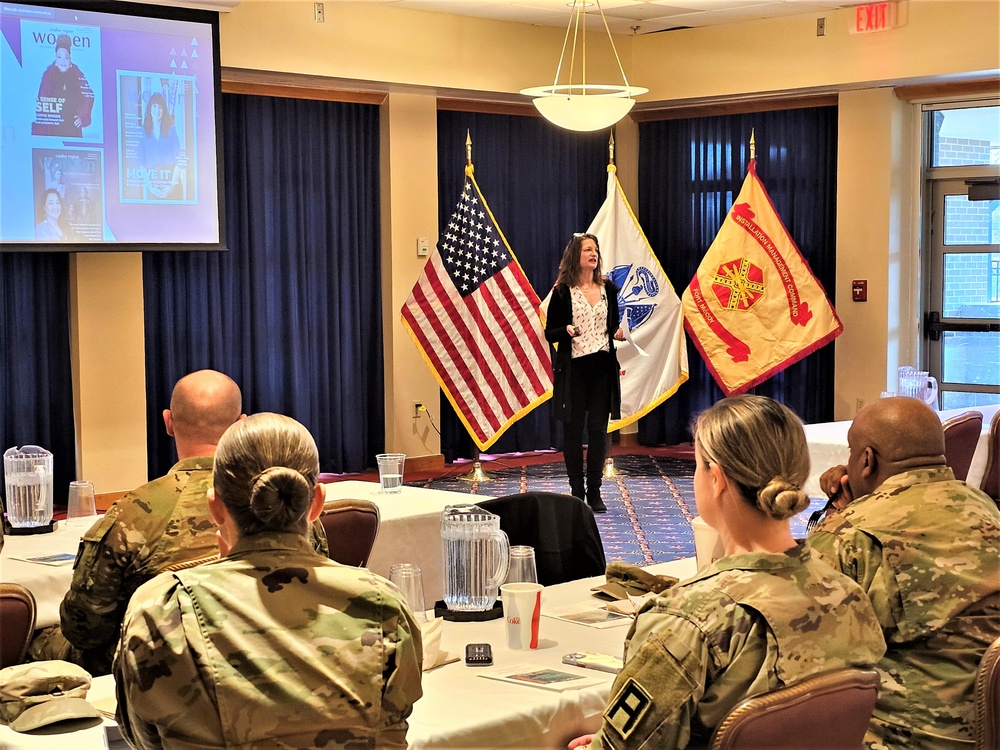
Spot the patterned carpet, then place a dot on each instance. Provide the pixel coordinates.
(650, 503)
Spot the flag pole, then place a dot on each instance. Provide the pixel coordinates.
(753, 146)
(475, 475)
(609, 471)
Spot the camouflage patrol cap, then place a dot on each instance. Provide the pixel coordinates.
(45, 692)
(624, 579)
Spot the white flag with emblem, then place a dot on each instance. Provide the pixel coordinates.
(653, 358)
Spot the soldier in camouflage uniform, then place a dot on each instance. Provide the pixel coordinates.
(766, 615)
(162, 524)
(273, 645)
(924, 547)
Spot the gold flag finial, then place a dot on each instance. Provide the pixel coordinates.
(468, 147)
(611, 148)
(753, 147)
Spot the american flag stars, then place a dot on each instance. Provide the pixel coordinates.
(471, 249)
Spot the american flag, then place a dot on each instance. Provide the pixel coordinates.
(474, 317)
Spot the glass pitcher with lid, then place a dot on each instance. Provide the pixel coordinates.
(476, 554)
(28, 480)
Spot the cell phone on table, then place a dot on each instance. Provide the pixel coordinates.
(478, 655)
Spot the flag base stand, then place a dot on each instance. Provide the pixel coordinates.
(610, 471)
(477, 474)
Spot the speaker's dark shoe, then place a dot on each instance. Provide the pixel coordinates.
(595, 502)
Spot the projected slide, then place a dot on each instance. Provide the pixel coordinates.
(107, 127)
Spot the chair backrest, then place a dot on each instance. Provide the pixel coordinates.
(17, 621)
(835, 706)
(561, 528)
(988, 699)
(351, 528)
(991, 478)
(961, 434)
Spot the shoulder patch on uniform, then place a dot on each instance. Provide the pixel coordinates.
(628, 708)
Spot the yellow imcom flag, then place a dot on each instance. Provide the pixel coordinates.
(754, 307)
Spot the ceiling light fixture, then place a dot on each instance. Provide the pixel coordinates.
(583, 106)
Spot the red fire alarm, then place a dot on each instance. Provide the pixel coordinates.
(859, 290)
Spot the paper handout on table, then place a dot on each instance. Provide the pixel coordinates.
(594, 617)
(545, 678)
(59, 558)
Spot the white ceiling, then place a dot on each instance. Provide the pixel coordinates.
(623, 15)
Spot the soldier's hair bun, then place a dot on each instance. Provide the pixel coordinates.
(781, 499)
(265, 472)
(280, 496)
(760, 445)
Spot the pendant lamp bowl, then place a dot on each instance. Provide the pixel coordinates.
(584, 108)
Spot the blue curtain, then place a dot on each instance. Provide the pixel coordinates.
(690, 171)
(36, 381)
(543, 184)
(293, 310)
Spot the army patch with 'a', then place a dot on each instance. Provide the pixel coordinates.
(628, 708)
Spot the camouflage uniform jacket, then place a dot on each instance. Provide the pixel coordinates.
(162, 524)
(744, 625)
(924, 547)
(273, 646)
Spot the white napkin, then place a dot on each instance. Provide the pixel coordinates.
(430, 634)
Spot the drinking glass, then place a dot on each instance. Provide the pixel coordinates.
(82, 503)
(390, 471)
(408, 580)
(522, 567)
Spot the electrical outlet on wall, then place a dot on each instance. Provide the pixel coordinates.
(858, 405)
(418, 406)
(319, 13)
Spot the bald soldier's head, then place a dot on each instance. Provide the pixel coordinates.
(203, 405)
(890, 436)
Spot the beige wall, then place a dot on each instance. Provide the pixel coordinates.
(413, 55)
(409, 211)
(875, 242)
(109, 366)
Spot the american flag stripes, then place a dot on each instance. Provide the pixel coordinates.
(474, 317)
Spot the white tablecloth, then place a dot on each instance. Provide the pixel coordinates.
(410, 529)
(828, 446)
(48, 583)
(460, 709)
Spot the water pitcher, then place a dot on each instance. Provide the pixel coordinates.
(476, 555)
(28, 478)
(917, 384)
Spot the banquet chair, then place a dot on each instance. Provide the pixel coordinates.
(961, 434)
(991, 478)
(561, 528)
(987, 697)
(836, 706)
(351, 528)
(17, 621)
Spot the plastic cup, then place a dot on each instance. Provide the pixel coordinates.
(522, 611)
(707, 543)
(81, 504)
(522, 567)
(409, 581)
(390, 471)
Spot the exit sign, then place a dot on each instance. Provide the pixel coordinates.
(874, 17)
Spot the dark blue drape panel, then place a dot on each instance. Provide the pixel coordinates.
(36, 382)
(542, 184)
(292, 311)
(689, 173)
